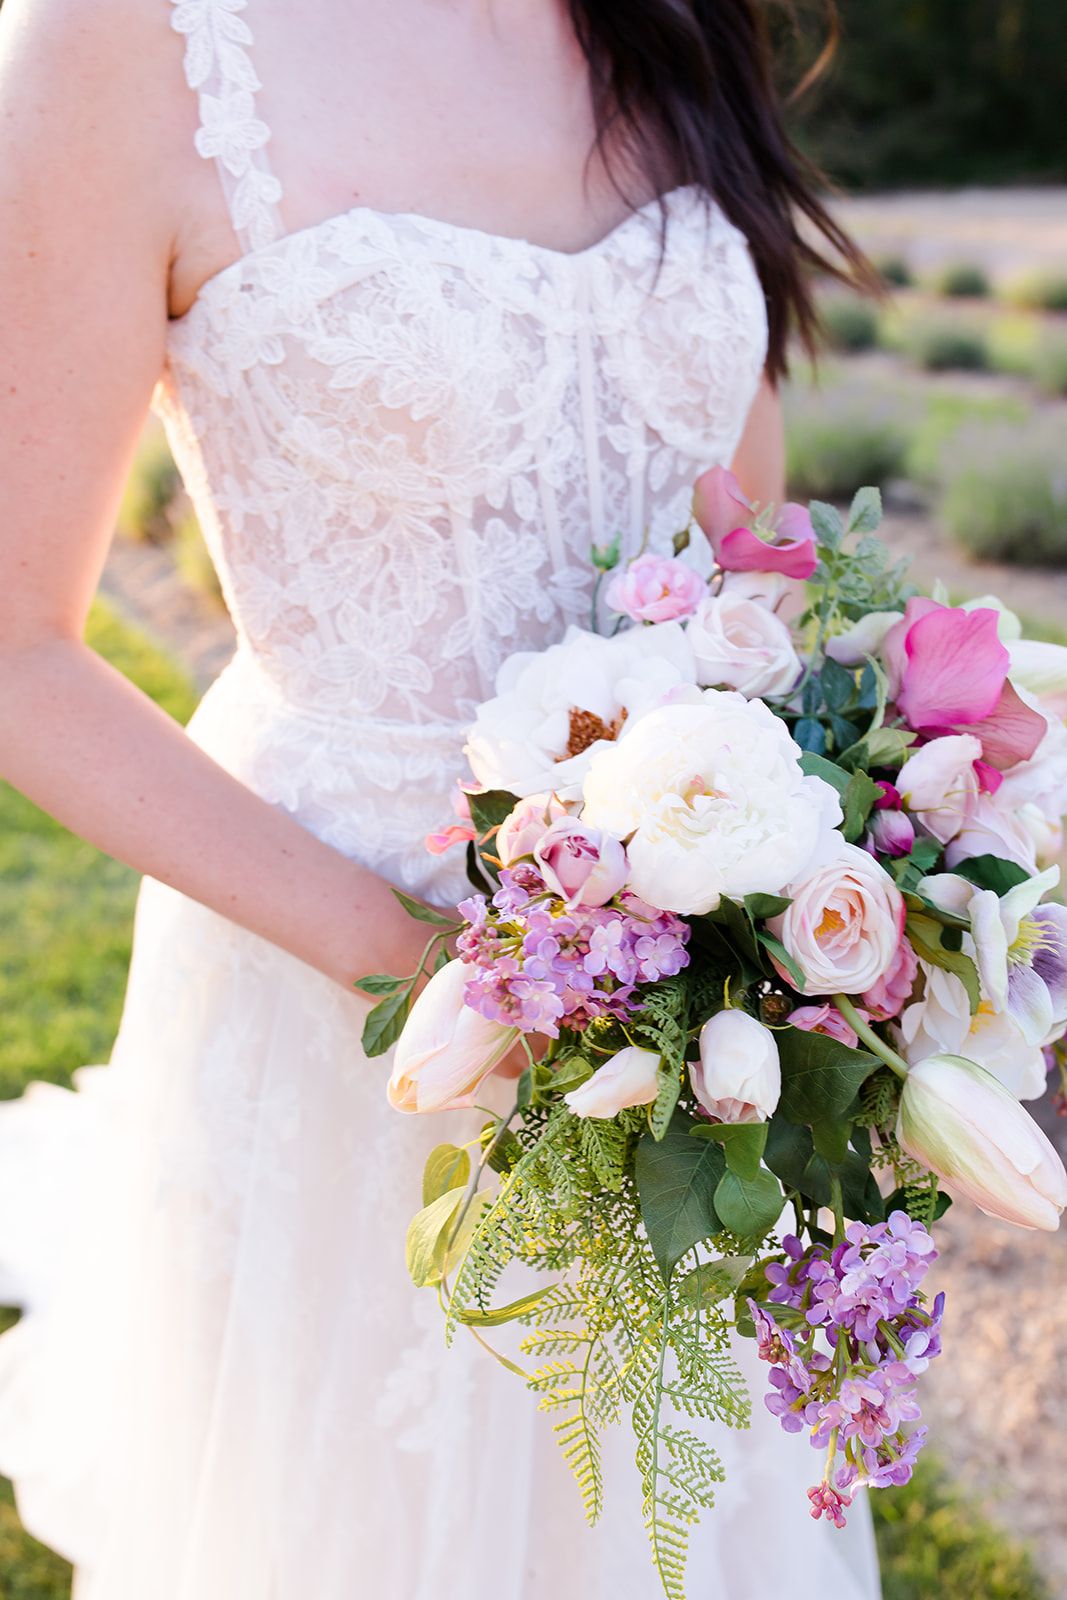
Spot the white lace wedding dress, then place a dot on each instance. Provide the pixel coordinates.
(402, 437)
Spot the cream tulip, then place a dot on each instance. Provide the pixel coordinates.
(446, 1048)
(628, 1078)
(739, 1075)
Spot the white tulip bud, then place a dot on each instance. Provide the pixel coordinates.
(446, 1048)
(739, 1076)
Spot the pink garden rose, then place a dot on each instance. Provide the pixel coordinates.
(656, 589)
(524, 827)
(825, 1019)
(728, 518)
(583, 865)
(888, 997)
(844, 925)
(948, 673)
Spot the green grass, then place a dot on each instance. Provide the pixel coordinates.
(935, 1544)
(64, 945)
(1004, 492)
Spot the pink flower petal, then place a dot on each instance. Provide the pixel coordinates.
(894, 656)
(956, 669)
(1010, 734)
(445, 838)
(719, 504)
(741, 550)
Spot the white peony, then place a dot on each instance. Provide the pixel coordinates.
(740, 643)
(555, 707)
(712, 800)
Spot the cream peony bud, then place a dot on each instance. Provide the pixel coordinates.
(739, 1076)
(957, 1119)
(629, 1078)
(446, 1048)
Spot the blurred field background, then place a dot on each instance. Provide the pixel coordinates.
(945, 122)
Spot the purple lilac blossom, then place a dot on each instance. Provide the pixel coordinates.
(847, 1372)
(540, 967)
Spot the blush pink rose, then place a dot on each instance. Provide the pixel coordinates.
(656, 589)
(727, 517)
(825, 1019)
(583, 865)
(520, 831)
(844, 924)
(888, 997)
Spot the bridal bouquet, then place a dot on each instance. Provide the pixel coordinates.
(759, 903)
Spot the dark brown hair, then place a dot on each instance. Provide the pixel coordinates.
(684, 93)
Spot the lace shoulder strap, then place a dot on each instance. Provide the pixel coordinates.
(219, 68)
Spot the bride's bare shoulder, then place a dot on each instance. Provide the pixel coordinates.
(92, 90)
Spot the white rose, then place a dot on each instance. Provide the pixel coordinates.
(740, 643)
(939, 784)
(712, 800)
(845, 924)
(553, 708)
(739, 1075)
(769, 588)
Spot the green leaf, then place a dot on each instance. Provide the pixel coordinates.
(838, 685)
(489, 808)
(447, 1167)
(385, 1023)
(476, 1318)
(761, 907)
(811, 697)
(857, 804)
(814, 765)
(810, 736)
(749, 1207)
(928, 939)
(712, 1281)
(676, 1181)
(845, 732)
(888, 747)
(380, 983)
(743, 1145)
(427, 1238)
(991, 872)
(781, 954)
(865, 513)
(820, 1075)
(826, 521)
(831, 1141)
(421, 913)
(566, 1073)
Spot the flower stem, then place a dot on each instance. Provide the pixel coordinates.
(869, 1037)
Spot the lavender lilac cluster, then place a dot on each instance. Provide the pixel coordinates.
(539, 966)
(860, 1337)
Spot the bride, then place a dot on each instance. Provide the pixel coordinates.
(484, 283)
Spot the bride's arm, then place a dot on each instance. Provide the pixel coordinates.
(760, 458)
(86, 240)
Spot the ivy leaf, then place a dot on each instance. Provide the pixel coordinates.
(991, 872)
(743, 1144)
(782, 956)
(928, 938)
(676, 1181)
(489, 808)
(447, 1167)
(838, 685)
(380, 983)
(421, 913)
(865, 513)
(427, 1238)
(749, 1207)
(820, 1075)
(810, 736)
(385, 1023)
(815, 765)
(761, 907)
(857, 803)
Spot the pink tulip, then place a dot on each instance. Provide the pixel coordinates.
(825, 1019)
(726, 517)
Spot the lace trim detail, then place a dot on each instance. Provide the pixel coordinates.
(219, 69)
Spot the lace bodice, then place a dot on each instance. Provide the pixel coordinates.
(403, 436)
